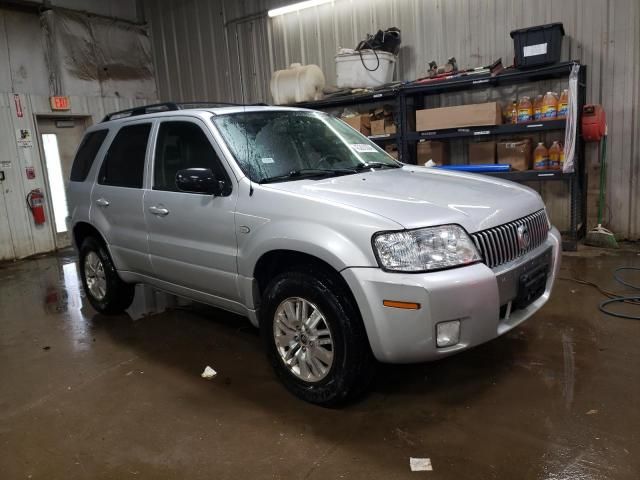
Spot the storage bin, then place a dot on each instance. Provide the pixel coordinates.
(539, 45)
(351, 71)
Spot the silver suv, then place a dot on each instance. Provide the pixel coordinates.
(338, 253)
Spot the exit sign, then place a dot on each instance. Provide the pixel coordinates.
(59, 103)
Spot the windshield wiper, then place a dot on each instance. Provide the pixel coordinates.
(307, 173)
(366, 166)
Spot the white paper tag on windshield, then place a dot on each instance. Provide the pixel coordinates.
(267, 160)
(363, 148)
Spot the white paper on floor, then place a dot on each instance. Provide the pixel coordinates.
(420, 464)
(208, 373)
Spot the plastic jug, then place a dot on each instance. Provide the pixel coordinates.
(540, 157)
(298, 83)
(563, 103)
(525, 110)
(537, 108)
(549, 106)
(554, 156)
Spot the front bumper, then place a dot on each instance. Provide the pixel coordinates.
(472, 294)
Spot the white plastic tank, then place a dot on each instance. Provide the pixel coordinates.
(298, 83)
(370, 70)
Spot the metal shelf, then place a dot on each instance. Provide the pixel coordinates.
(341, 100)
(533, 175)
(409, 97)
(387, 137)
(508, 129)
(506, 77)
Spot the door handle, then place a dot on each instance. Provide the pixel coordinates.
(102, 202)
(160, 211)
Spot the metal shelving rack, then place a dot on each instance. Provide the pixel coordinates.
(407, 99)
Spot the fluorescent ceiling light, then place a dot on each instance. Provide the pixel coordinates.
(296, 6)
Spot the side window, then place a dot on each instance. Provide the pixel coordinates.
(87, 152)
(123, 165)
(182, 145)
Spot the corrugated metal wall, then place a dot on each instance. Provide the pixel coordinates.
(25, 75)
(201, 51)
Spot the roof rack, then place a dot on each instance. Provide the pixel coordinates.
(170, 106)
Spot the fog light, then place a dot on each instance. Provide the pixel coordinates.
(448, 333)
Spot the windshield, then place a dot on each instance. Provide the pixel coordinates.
(289, 145)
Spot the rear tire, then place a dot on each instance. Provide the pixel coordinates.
(327, 365)
(105, 290)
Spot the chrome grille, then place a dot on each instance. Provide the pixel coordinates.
(503, 244)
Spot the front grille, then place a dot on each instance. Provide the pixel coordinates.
(502, 244)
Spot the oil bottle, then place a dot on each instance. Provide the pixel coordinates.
(554, 156)
(540, 157)
(563, 104)
(514, 112)
(506, 113)
(525, 110)
(549, 106)
(537, 108)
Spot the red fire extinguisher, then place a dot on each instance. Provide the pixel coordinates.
(35, 201)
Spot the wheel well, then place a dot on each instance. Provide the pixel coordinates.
(83, 230)
(277, 261)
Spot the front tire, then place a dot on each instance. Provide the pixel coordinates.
(105, 290)
(315, 338)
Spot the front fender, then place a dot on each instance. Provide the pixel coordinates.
(320, 241)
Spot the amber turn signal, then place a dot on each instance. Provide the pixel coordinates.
(404, 305)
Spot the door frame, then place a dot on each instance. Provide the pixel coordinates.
(88, 120)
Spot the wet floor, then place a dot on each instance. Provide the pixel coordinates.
(88, 396)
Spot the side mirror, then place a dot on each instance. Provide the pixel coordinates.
(199, 180)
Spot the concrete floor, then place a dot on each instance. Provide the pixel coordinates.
(87, 396)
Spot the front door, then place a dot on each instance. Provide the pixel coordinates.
(59, 139)
(192, 240)
(116, 199)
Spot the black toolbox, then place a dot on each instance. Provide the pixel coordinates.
(539, 45)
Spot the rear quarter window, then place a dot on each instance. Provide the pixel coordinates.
(86, 155)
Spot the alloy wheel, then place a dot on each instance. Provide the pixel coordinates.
(95, 276)
(303, 339)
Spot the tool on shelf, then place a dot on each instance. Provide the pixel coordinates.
(451, 71)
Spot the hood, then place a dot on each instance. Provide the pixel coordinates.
(418, 197)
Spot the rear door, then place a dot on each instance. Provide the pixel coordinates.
(116, 199)
(192, 240)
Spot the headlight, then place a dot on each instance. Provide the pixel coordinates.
(425, 249)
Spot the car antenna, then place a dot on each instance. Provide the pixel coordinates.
(244, 106)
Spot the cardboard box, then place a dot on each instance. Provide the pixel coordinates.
(433, 150)
(390, 128)
(360, 123)
(516, 153)
(482, 152)
(392, 149)
(472, 115)
(377, 127)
